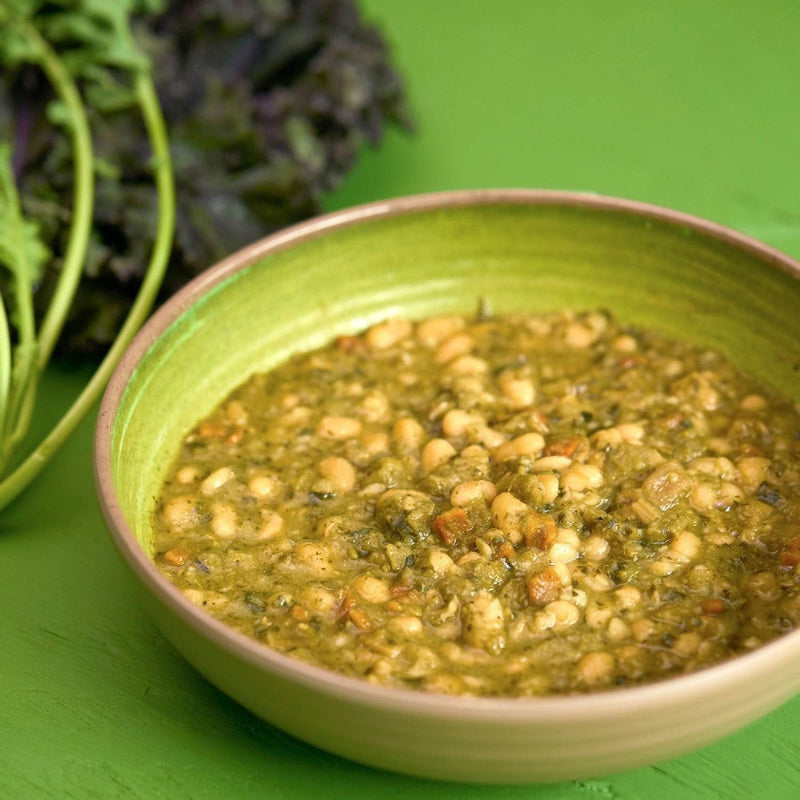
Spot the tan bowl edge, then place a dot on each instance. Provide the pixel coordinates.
(583, 708)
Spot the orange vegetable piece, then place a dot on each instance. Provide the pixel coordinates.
(359, 619)
(543, 587)
(211, 430)
(350, 343)
(452, 524)
(539, 530)
(712, 606)
(348, 601)
(176, 557)
(563, 447)
(299, 613)
(505, 550)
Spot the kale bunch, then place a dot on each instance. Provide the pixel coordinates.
(267, 104)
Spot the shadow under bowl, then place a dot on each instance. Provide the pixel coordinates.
(521, 250)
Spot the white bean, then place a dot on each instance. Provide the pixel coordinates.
(517, 388)
(596, 667)
(458, 345)
(216, 480)
(466, 492)
(339, 428)
(435, 453)
(340, 472)
(433, 331)
(388, 333)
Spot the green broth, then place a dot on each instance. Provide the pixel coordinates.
(509, 505)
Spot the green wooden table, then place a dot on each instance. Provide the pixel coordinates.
(685, 103)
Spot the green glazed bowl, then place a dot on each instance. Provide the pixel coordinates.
(418, 256)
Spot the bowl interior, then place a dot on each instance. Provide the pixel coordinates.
(662, 272)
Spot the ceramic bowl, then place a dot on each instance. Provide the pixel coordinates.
(522, 250)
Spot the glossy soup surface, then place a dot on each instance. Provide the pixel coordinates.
(494, 506)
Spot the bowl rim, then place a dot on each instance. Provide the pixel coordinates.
(579, 708)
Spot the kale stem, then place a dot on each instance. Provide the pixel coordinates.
(83, 202)
(5, 366)
(18, 480)
(33, 355)
(23, 381)
(19, 359)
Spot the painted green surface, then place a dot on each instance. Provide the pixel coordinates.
(687, 104)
